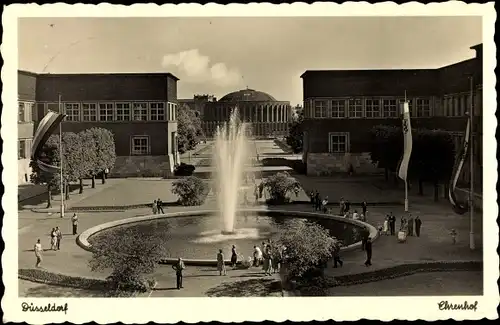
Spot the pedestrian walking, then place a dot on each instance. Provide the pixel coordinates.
(418, 225)
(342, 206)
(74, 221)
(221, 265)
(453, 234)
(364, 239)
(38, 253)
(159, 204)
(58, 238)
(368, 248)
(179, 268)
(336, 254)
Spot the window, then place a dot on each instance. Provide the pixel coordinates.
(338, 108)
(157, 111)
(122, 111)
(338, 142)
(140, 145)
(106, 112)
(319, 108)
(389, 108)
(372, 108)
(21, 149)
(355, 107)
(140, 111)
(21, 117)
(89, 112)
(423, 107)
(72, 111)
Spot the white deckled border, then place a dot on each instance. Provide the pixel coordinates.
(166, 310)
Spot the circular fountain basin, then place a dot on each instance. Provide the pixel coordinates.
(196, 236)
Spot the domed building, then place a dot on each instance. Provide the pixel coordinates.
(267, 116)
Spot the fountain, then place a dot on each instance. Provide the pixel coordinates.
(231, 155)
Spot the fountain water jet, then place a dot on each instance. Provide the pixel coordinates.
(230, 158)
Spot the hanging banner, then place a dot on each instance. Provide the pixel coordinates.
(408, 143)
(459, 207)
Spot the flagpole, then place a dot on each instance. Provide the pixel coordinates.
(61, 161)
(406, 181)
(472, 244)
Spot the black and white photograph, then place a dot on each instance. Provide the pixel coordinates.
(306, 158)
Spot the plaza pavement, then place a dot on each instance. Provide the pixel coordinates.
(433, 245)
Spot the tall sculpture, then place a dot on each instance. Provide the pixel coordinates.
(44, 130)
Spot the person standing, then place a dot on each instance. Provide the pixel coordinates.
(386, 226)
(154, 207)
(58, 238)
(410, 226)
(418, 224)
(347, 206)
(38, 253)
(53, 239)
(392, 220)
(368, 248)
(234, 257)
(342, 206)
(364, 207)
(179, 267)
(355, 215)
(221, 265)
(159, 204)
(336, 254)
(364, 239)
(267, 263)
(74, 221)
(324, 204)
(317, 201)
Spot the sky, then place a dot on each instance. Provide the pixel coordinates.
(216, 56)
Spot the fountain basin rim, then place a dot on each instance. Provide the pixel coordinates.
(83, 239)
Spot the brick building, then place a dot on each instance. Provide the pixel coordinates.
(341, 106)
(139, 108)
(266, 116)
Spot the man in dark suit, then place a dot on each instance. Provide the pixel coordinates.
(368, 248)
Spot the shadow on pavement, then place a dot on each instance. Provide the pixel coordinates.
(247, 288)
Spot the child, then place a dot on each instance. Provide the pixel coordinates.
(453, 234)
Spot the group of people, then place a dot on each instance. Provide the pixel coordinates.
(157, 206)
(320, 204)
(270, 259)
(409, 226)
(55, 240)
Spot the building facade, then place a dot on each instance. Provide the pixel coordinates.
(26, 85)
(341, 106)
(138, 108)
(266, 116)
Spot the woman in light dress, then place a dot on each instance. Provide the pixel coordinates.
(386, 226)
(53, 239)
(155, 207)
(267, 265)
(221, 266)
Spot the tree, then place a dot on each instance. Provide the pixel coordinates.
(74, 159)
(49, 155)
(191, 190)
(89, 157)
(279, 186)
(295, 137)
(386, 143)
(105, 152)
(188, 128)
(129, 253)
(308, 247)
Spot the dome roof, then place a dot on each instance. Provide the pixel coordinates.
(248, 95)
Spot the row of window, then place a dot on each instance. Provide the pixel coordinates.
(24, 148)
(368, 107)
(119, 111)
(25, 112)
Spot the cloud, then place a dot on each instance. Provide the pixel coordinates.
(196, 68)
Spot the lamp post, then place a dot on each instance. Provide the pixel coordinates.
(61, 162)
(472, 244)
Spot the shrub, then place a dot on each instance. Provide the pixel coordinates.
(130, 254)
(191, 190)
(308, 248)
(279, 186)
(184, 170)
